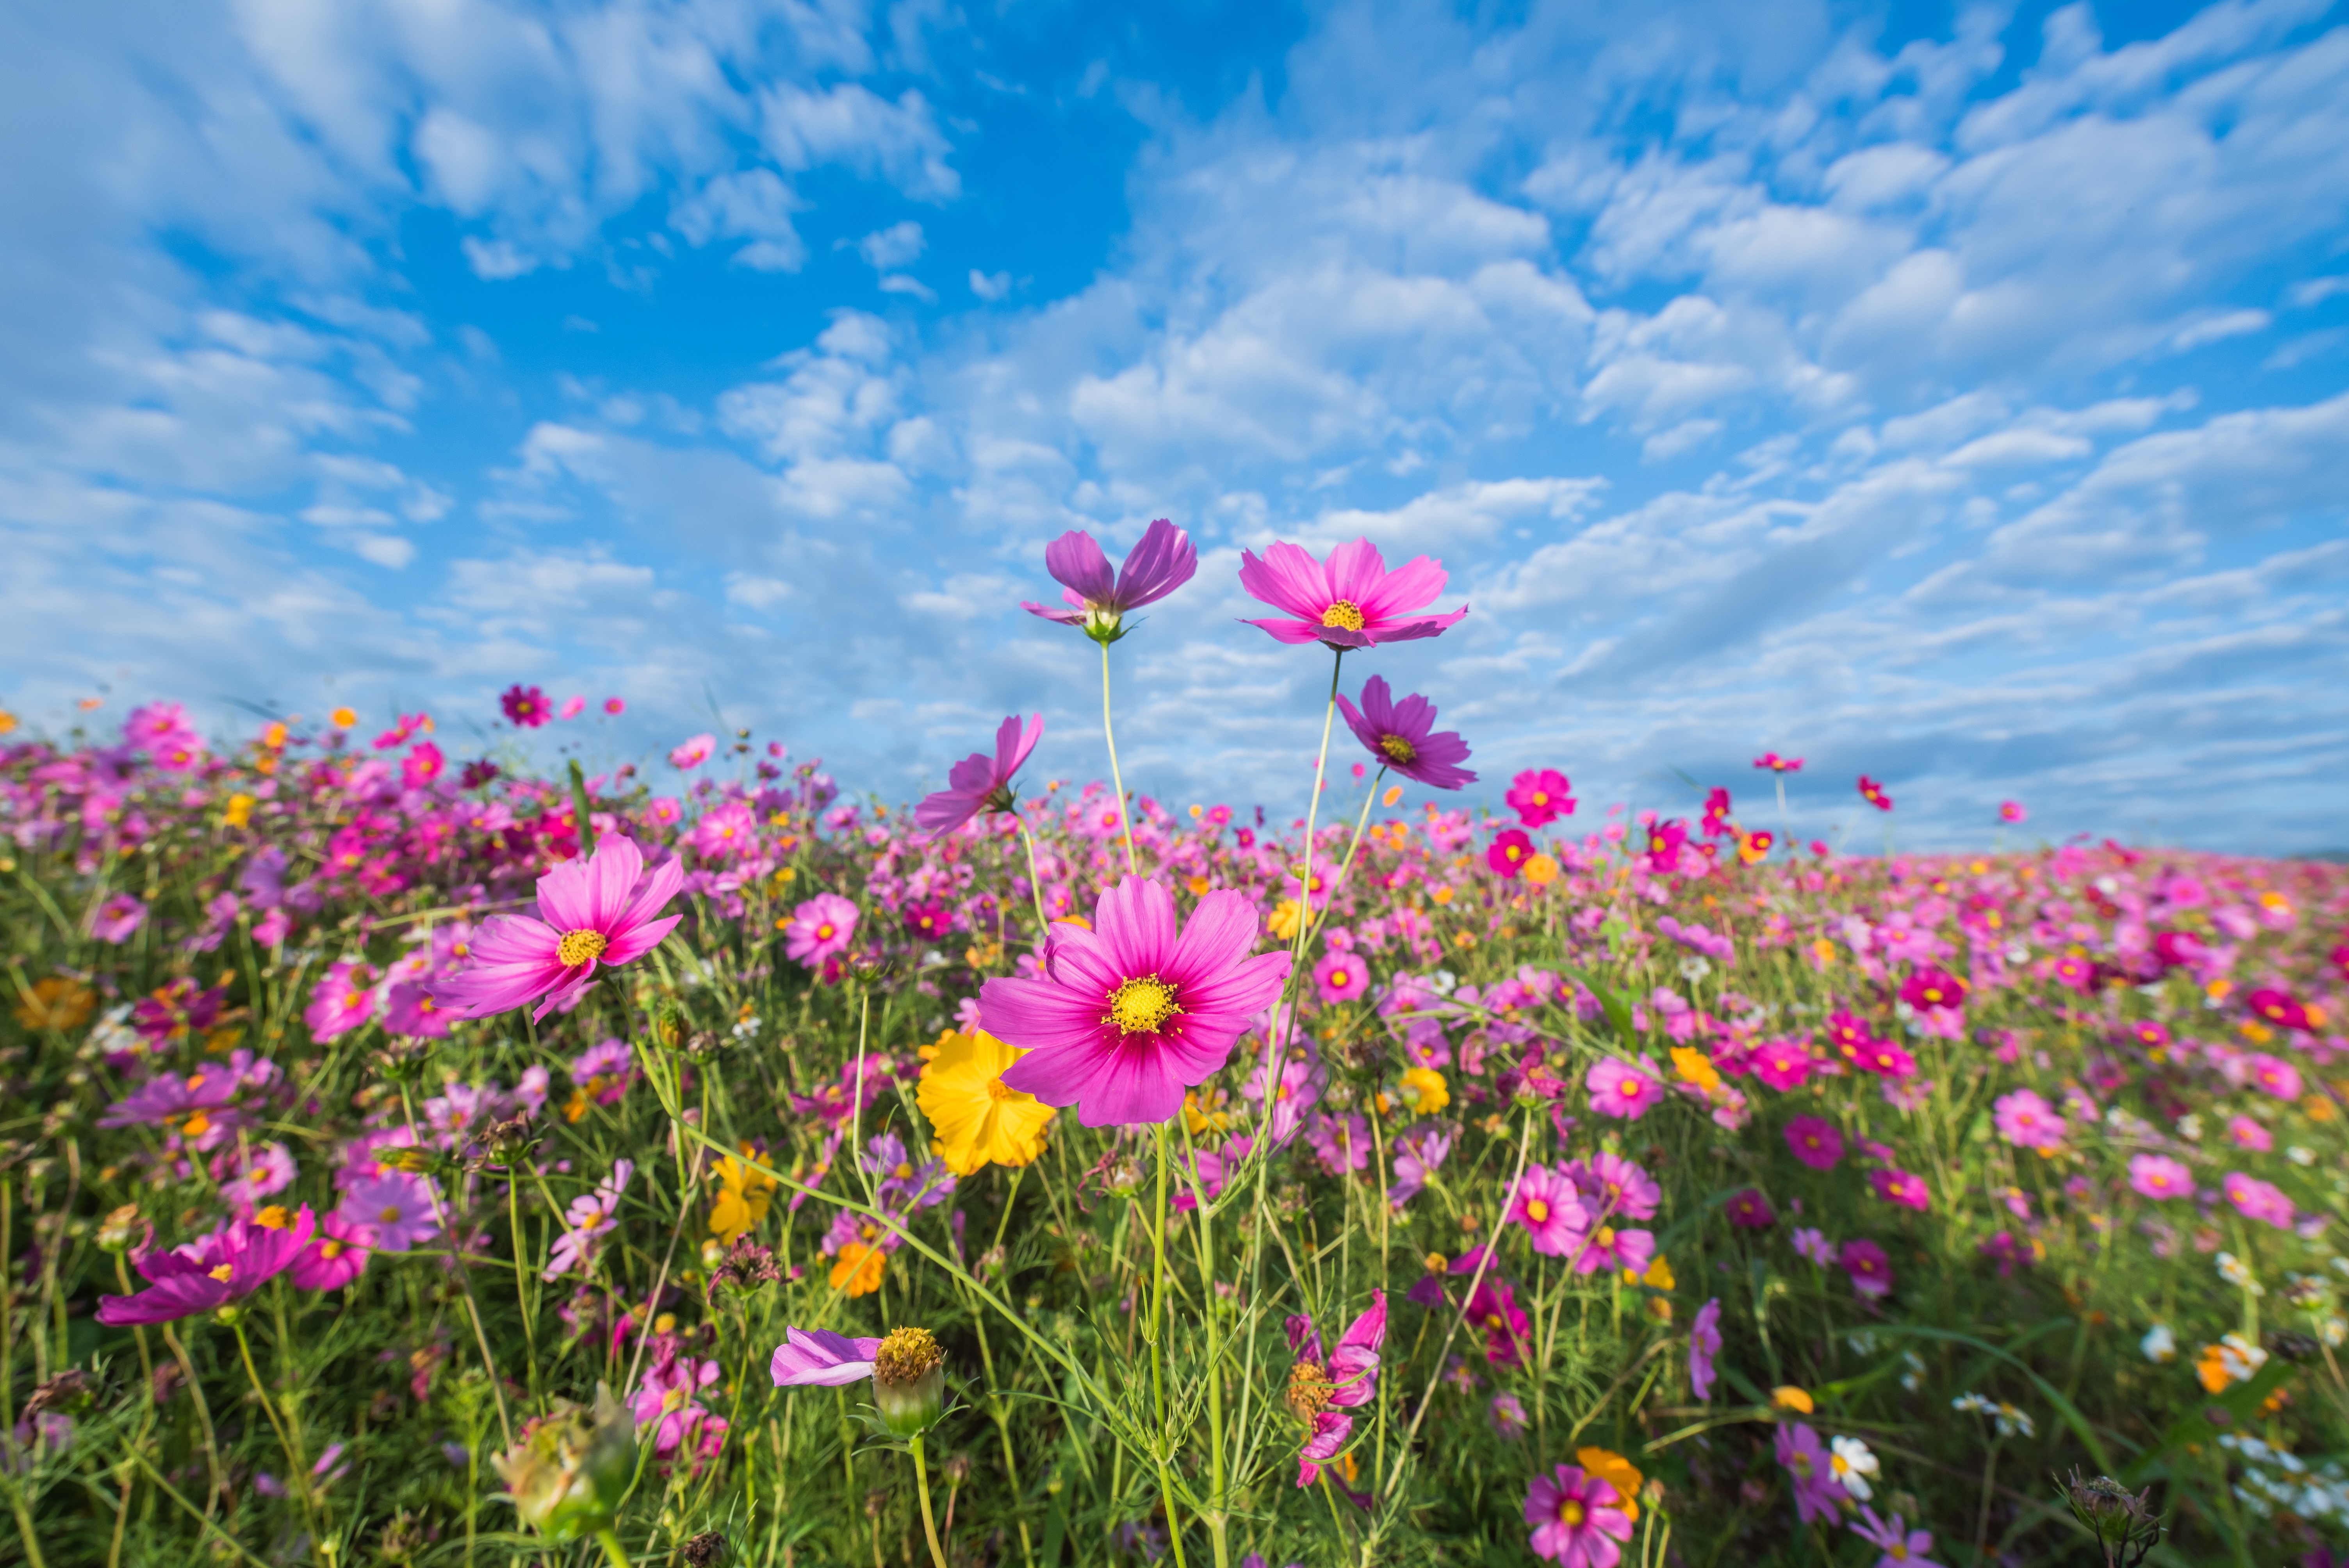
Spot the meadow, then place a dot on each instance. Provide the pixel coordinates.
(420, 1159)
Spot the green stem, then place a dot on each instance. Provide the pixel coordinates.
(579, 809)
(1035, 886)
(1116, 780)
(1360, 822)
(300, 1472)
(1156, 1336)
(922, 1485)
(616, 1553)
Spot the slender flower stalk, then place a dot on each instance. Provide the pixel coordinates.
(1116, 778)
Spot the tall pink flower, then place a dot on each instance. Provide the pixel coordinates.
(1550, 1209)
(1540, 796)
(2258, 1200)
(978, 782)
(1323, 1389)
(820, 928)
(1577, 1519)
(1618, 1090)
(1403, 736)
(1352, 600)
(596, 912)
(2158, 1176)
(1162, 561)
(1342, 976)
(231, 1263)
(1132, 1013)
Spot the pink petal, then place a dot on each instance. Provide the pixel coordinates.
(1404, 589)
(1355, 573)
(1291, 631)
(1286, 578)
(1136, 920)
(640, 941)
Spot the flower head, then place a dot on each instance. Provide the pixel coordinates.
(1510, 851)
(1162, 561)
(820, 928)
(2028, 1121)
(1551, 1208)
(1870, 1268)
(1540, 796)
(693, 753)
(1352, 600)
(1340, 976)
(1618, 1089)
(2158, 1176)
(978, 782)
(2258, 1200)
(1704, 1345)
(1134, 1011)
(1323, 1389)
(226, 1266)
(1873, 793)
(1807, 1463)
(1902, 1547)
(979, 1119)
(1577, 1518)
(338, 1254)
(1403, 736)
(526, 708)
(596, 912)
(1815, 1141)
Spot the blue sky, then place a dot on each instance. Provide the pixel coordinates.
(1960, 394)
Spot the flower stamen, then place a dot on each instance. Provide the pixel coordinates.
(1344, 614)
(578, 947)
(1141, 1005)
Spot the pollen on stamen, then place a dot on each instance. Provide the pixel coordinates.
(578, 946)
(1344, 614)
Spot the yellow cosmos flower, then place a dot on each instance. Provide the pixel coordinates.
(1541, 871)
(1282, 922)
(1694, 1067)
(239, 811)
(1426, 1089)
(1789, 1398)
(979, 1121)
(857, 1270)
(743, 1195)
(1615, 1471)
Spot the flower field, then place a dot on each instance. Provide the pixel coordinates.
(417, 1159)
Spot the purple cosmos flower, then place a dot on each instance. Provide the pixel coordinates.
(1815, 1142)
(1400, 735)
(343, 1000)
(1508, 1417)
(818, 1358)
(2158, 1176)
(1615, 1188)
(1812, 1469)
(194, 1106)
(1321, 1389)
(820, 928)
(1870, 1268)
(1418, 1156)
(2027, 1122)
(1812, 1242)
(1540, 797)
(231, 1263)
(1618, 1089)
(1160, 562)
(1902, 1188)
(117, 919)
(1750, 1211)
(1550, 1209)
(596, 912)
(978, 783)
(1342, 1143)
(590, 1217)
(396, 1208)
(1494, 1310)
(693, 753)
(260, 1172)
(1704, 1343)
(2258, 1200)
(526, 707)
(1609, 1248)
(338, 1254)
(1352, 602)
(1902, 1547)
(1134, 1011)
(1577, 1519)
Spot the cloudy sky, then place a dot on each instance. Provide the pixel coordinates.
(1957, 395)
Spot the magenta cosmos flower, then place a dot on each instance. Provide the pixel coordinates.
(820, 928)
(1577, 1519)
(337, 1255)
(1341, 977)
(1322, 1388)
(1870, 1268)
(1873, 793)
(978, 782)
(818, 1358)
(526, 707)
(227, 1266)
(1778, 764)
(598, 911)
(1398, 735)
(1618, 1090)
(1511, 848)
(2027, 1122)
(1351, 602)
(2258, 1200)
(1903, 1188)
(1549, 1206)
(1133, 1012)
(1540, 797)
(1160, 562)
(1704, 1345)
(2157, 1176)
(1815, 1141)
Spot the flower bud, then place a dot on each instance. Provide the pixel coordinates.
(116, 1231)
(909, 1382)
(2122, 1523)
(566, 1476)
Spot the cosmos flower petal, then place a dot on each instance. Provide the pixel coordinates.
(1223, 924)
(1355, 573)
(1286, 578)
(1076, 563)
(818, 1358)
(1137, 922)
(640, 940)
(1406, 588)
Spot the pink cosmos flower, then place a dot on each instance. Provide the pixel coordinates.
(598, 911)
(614, 707)
(1613, 1187)
(1618, 1090)
(1873, 793)
(1510, 1422)
(2276, 1076)
(1902, 1188)
(818, 1358)
(1133, 1012)
(1323, 1389)
(2245, 1133)
(422, 764)
(1402, 735)
(343, 999)
(1342, 976)
(231, 1263)
(727, 832)
(2157, 1176)
(338, 1254)
(411, 1009)
(1550, 1209)
(1812, 1469)
(1704, 1345)
(2027, 1122)
(162, 729)
(2258, 1200)
(1540, 797)
(820, 928)
(1510, 851)
(1577, 1519)
(667, 1400)
(1782, 1064)
(1870, 1268)
(1815, 1141)
(1352, 602)
(2280, 1008)
(260, 1172)
(1902, 1547)
(1812, 1242)
(396, 1209)
(1778, 764)
(1750, 1211)
(1162, 561)
(587, 1220)
(980, 783)
(525, 707)
(1932, 987)
(1609, 1248)
(1493, 1309)
(691, 755)
(2008, 811)
(117, 919)
(573, 708)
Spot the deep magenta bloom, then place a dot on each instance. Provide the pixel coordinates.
(818, 1358)
(1577, 1519)
(1932, 987)
(2280, 1008)
(1322, 1388)
(1133, 1012)
(1816, 1141)
(1398, 735)
(1540, 797)
(1351, 602)
(1778, 764)
(337, 1255)
(1494, 1310)
(1870, 1268)
(526, 707)
(1750, 1210)
(1510, 851)
(1160, 562)
(1903, 1188)
(979, 783)
(596, 912)
(231, 1263)
(1873, 793)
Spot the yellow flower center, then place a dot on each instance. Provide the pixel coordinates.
(274, 1217)
(223, 1272)
(1344, 614)
(1339, 977)
(1540, 799)
(997, 1089)
(330, 1249)
(1396, 746)
(1537, 1211)
(390, 1213)
(1606, 1235)
(197, 1125)
(578, 947)
(1309, 1391)
(823, 931)
(1141, 1005)
(1570, 1513)
(1897, 1551)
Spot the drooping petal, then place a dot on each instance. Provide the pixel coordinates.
(1162, 561)
(1077, 564)
(818, 1358)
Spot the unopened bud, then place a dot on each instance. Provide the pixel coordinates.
(115, 1232)
(909, 1382)
(566, 1476)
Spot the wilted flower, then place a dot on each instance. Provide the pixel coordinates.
(567, 1474)
(1323, 1389)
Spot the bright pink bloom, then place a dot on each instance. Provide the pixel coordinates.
(2258, 1200)
(820, 928)
(1807, 1461)
(1551, 1210)
(1352, 602)
(667, 1400)
(1134, 1011)
(573, 708)
(1403, 736)
(2027, 1122)
(1750, 1211)
(1331, 1386)
(1782, 1064)
(1873, 793)
(1510, 851)
(2275, 1075)
(1930, 987)
(1902, 1188)
(1870, 1268)
(1614, 1188)
(2158, 1176)
(1778, 764)
(597, 912)
(117, 919)
(1816, 1141)
(1576, 1519)
(1618, 1090)
(1494, 1310)
(1162, 561)
(1342, 976)
(2245, 1133)
(1609, 1248)
(2008, 811)
(980, 783)
(727, 832)
(526, 707)
(818, 1358)
(231, 1263)
(1540, 797)
(1704, 1343)
(338, 1254)
(615, 706)
(693, 753)
(343, 999)
(422, 764)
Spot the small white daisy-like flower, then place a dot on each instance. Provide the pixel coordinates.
(2159, 1344)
